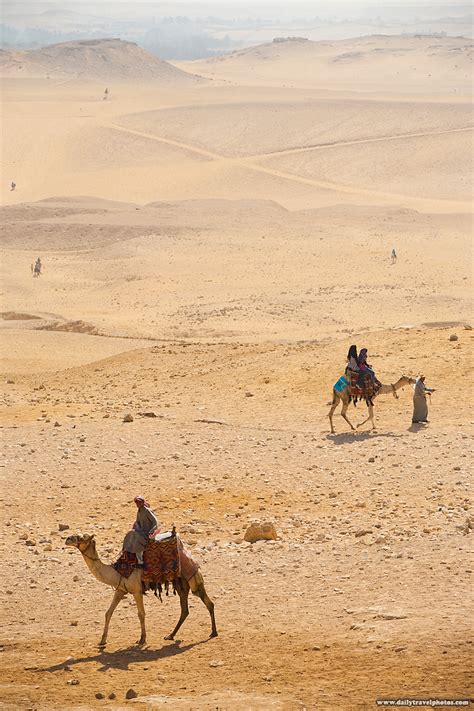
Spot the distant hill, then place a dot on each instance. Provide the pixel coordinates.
(374, 62)
(100, 59)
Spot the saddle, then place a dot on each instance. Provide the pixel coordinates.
(165, 561)
(366, 391)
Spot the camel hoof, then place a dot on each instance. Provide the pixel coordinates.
(169, 636)
(102, 645)
(141, 642)
(213, 634)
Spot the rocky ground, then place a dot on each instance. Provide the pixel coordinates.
(364, 594)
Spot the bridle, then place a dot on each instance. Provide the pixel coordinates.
(85, 554)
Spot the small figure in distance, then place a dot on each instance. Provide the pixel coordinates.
(13, 186)
(38, 267)
(420, 404)
(394, 256)
(106, 94)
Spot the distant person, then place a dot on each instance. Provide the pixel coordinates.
(106, 94)
(38, 268)
(13, 186)
(420, 404)
(394, 256)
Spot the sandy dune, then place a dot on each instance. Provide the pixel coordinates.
(102, 59)
(210, 251)
(377, 63)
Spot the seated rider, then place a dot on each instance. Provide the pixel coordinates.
(352, 360)
(365, 369)
(146, 524)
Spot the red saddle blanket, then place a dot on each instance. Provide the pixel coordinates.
(164, 561)
(368, 389)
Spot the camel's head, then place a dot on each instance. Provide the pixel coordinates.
(81, 542)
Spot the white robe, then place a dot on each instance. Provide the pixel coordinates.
(420, 404)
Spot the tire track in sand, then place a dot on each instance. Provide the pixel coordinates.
(248, 162)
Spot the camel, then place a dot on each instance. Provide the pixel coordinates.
(344, 395)
(133, 584)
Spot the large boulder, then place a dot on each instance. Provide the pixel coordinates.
(260, 532)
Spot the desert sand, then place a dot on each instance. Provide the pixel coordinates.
(214, 236)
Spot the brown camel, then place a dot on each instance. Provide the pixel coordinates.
(345, 397)
(133, 584)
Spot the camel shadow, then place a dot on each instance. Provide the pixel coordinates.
(351, 437)
(122, 658)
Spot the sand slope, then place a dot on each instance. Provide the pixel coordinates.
(102, 59)
(377, 62)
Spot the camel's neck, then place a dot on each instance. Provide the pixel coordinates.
(385, 389)
(101, 572)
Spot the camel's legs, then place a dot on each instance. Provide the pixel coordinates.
(183, 591)
(343, 414)
(141, 615)
(370, 417)
(201, 592)
(335, 403)
(119, 594)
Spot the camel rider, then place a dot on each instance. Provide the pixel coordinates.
(352, 360)
(365, 369)
(146, 524)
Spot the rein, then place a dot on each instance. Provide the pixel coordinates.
(394, 391)
(88, 556)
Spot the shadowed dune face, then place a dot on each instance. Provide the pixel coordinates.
(101, 59)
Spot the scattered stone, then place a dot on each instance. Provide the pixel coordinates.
(453, 337)
(216, 663)
(128, 418)
(73, 682)
(63, 526)
(112, 696)
(30, 542)
(56, 424)
(371, 459)
(248, 394)
(260, 532)
(75, 579)
(131, 694)
(362, 532)
(100, 695)
(74, 623)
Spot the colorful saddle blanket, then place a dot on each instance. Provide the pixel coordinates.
(165, 559)
(341, 384)
(161, 559)
(364, 392)
(126, 564)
